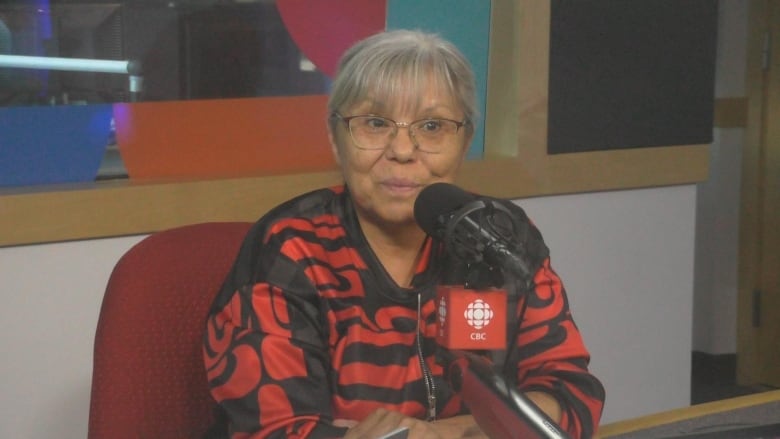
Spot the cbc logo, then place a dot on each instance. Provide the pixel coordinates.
(478, 314)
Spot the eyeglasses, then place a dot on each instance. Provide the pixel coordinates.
(371, 132)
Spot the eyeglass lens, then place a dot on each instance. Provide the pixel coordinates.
(429, 135)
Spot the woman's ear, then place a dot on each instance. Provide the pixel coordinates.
(466, 145)
(334, 147)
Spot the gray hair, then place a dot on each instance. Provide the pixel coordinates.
(394, 66)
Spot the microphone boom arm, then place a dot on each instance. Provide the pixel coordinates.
(498, 408)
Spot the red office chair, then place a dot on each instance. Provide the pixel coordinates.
(148, 379)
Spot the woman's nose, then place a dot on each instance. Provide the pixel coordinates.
(402, 145)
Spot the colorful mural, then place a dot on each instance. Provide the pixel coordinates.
(259, 135)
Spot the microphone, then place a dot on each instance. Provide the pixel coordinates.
(499, 410)
(481, 231)
(477, 229)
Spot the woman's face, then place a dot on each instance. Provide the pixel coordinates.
(385, 183)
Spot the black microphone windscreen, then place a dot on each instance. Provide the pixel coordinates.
(436, 200)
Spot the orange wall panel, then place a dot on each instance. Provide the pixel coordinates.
(223, 137)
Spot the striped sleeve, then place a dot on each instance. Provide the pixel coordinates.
(553, 357)
(266, 370)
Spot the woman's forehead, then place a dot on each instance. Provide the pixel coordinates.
(407, 96)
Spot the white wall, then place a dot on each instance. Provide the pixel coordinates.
(51, 299)
(717, 211)
(626, 259)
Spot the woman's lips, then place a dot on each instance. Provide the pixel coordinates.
(400, 186)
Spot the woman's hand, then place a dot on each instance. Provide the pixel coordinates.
(463, 426)
(383, 421)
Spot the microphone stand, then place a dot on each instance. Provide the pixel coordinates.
(481, 234)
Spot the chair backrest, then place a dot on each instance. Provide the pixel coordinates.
(148, 379)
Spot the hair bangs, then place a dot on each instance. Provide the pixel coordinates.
(393, 71)
(400, 82)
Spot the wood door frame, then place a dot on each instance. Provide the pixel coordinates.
(749, 368)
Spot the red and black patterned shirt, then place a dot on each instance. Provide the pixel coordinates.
(309, 327)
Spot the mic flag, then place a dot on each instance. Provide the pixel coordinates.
(471, 319)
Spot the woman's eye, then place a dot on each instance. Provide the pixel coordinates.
(376, 122)
(430, 126)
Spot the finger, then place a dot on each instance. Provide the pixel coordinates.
(419, 429)
(379, 422)
(349, 423)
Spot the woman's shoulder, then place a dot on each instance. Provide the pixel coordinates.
(324, 204)
(309, 205)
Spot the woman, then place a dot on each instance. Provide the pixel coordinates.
(325, 326)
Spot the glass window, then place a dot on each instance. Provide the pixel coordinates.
(187, 62)
(186, 49)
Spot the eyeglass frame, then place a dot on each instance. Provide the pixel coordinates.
(398, 125)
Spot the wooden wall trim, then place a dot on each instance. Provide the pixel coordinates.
(749, 349)
(124, 208)
(731, 112)
(620, 428)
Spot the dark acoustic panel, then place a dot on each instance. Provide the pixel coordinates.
(631, 73)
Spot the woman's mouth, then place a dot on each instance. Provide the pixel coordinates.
(400, 186)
